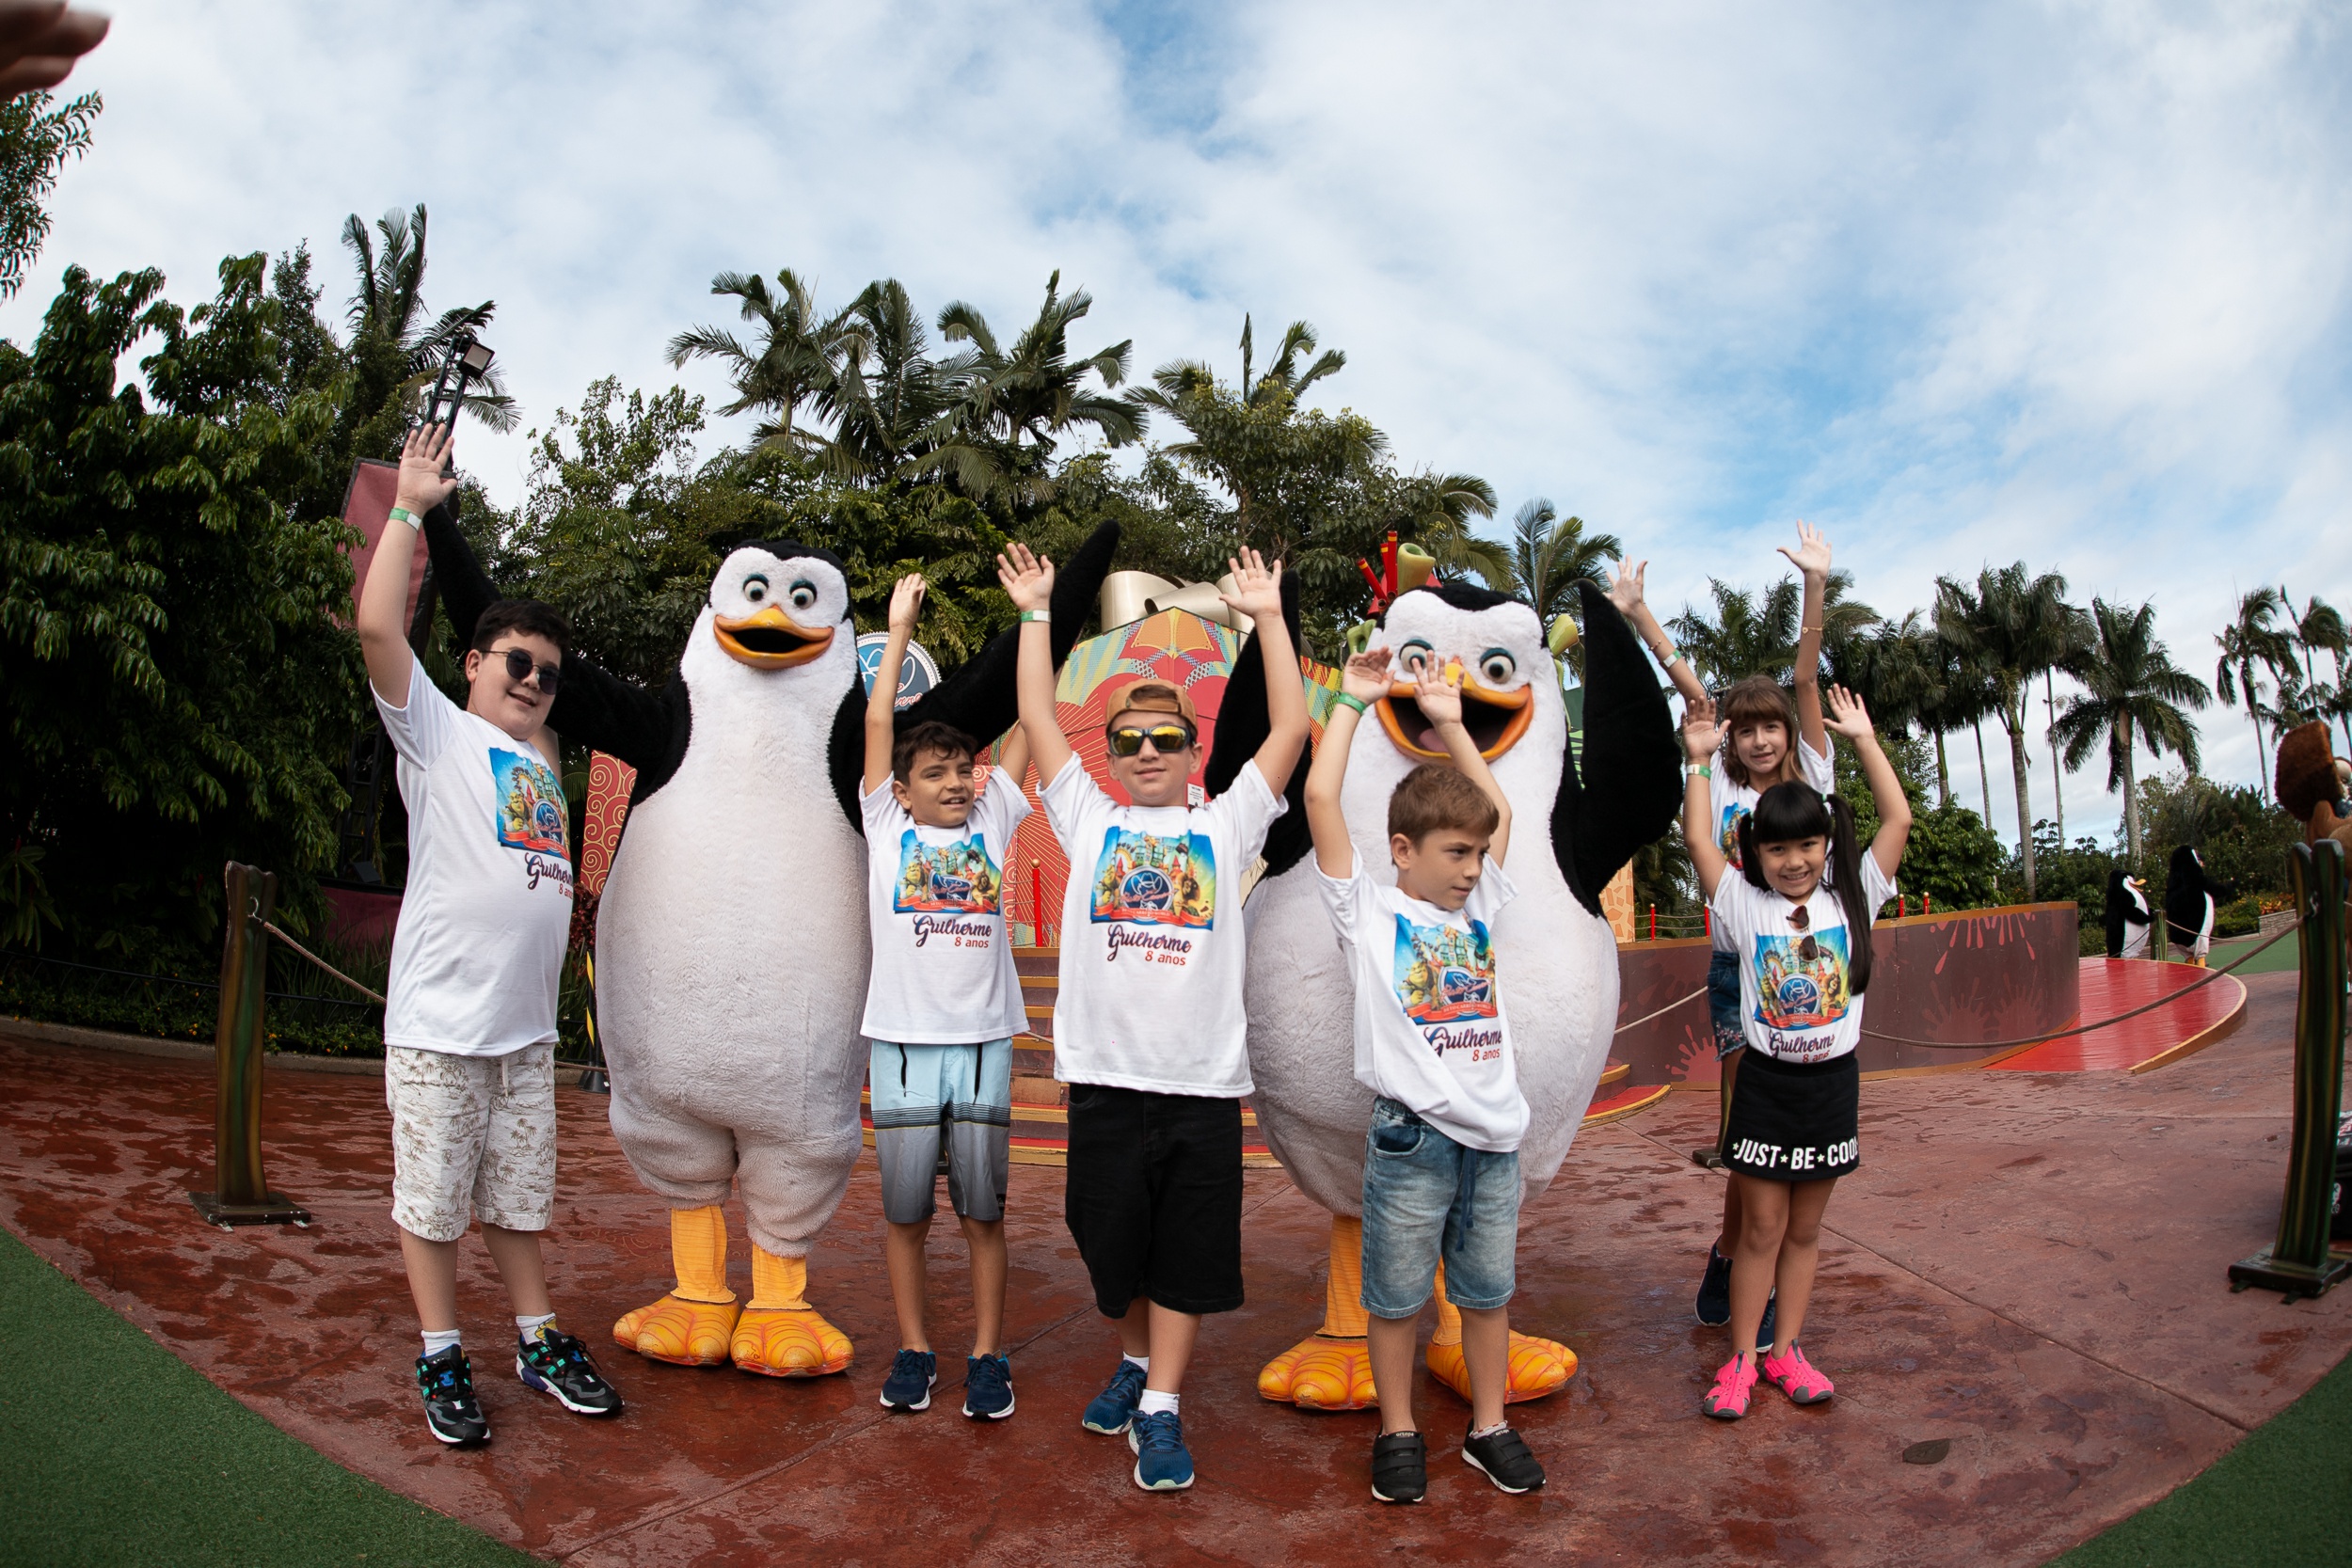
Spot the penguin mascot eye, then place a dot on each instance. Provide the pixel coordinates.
(1496, 667)
(803, 595)
(755, 588)
(1415, 654)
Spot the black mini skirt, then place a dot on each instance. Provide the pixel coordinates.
(1795, 1121)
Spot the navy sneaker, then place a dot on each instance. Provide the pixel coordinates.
(450, 1412)
(1163, 1464)
(1714, 1303)
(555, 1363)
(987, 1387)
(1771, 1319)
(908, 1384)
(1115, 1406)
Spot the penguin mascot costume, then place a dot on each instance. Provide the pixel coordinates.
(1556, 954)
(2127, 916)
(731, 936)
(2191, 899)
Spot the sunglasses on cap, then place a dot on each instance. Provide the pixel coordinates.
(1167, 739)
(518, 668)
(1808, 949)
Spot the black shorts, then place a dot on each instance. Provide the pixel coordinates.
(1794, 1122)
(1154, 1197)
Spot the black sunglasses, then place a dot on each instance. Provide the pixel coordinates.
(1808, 949)
(518, 668)
(1167, 739)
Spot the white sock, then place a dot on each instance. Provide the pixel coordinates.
(528, 1328)
(1143, 1361)
(1156, 1403)
(1489, 1432)
(438, 1339)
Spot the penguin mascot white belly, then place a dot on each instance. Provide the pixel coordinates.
(731, 935)
(1556, 958)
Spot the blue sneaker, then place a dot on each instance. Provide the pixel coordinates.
(1714, 1303)
(1163, 1464)
(987, 1386)
(1115, 1406)
(1772, 1318)
(908, 1384)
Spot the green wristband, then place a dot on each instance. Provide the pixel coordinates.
(1704, 771)
(402, 515)
(1042, 617)
(1346, 701)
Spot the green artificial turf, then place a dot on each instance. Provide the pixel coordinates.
(2281, 957)
(116, 1451)
(2282, 1495)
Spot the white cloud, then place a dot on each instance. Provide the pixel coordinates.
(2058, 281)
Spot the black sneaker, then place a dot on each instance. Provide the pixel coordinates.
(1505, 1460)
(1714, 1303)
(908, 1384)
(1400, 1468)
(1768, 1322)
(987, 1387)
(450, 1412)
(555, 1363)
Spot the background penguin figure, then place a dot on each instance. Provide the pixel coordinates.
(2127, 916)
(731, 936)
(2191, 899)
(1555, 955)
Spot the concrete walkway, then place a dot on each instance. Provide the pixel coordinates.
(2028, 1265)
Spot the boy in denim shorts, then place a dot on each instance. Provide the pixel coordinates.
(1441, 1166)
(470, 1025)
(941, 1011)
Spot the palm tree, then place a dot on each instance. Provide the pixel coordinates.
(886, 392)
(2079, 636)
(2012, 626)
(1548, 556)
(1012, 404)
(1747, 635)
(794, 358)
(2246, 641)
(394, 348)
(2133, 695)
(2319, 625)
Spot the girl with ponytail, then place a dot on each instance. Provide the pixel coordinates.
(1796, 915)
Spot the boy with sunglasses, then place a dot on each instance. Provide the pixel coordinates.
(470, 1025)
(1149, 1030)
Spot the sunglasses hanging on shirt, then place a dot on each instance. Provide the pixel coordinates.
(1801, 917)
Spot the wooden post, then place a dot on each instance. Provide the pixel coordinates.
(2300, 1262)
(243, 1194)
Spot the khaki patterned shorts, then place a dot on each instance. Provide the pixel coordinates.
(471, 1136)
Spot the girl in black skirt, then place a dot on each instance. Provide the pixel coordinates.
(1803, 946)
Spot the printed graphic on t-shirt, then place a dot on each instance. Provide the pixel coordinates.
(1445, 973)
(1729, 841)
(1144, 879)
(1792, 993)
(530, 810)
(939, 878)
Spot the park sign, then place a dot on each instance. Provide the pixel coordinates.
(916, 676)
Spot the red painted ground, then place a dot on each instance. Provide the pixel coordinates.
(2112, 986)
(2030, 1265)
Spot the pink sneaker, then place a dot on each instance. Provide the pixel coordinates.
(1797, 1378)
(1734, 1381)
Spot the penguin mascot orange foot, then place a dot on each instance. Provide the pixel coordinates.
(1554, 953)
(731, 936)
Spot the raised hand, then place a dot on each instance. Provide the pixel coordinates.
(1365, 677)
(1257, 587)
(424, 456)
(1029, 578)
(40, 42)
(1847, 716)
(1624, 589)
(1701, 735)
(1439, 693)
(906, 603)
(1811, 556)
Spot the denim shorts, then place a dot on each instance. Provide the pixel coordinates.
(1426, 1196)
(1722, 1003)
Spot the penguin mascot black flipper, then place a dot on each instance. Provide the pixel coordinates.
(1557, 957)
(980, 698)
(2191, 901)
(1242, 727)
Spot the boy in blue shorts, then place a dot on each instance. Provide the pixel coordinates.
(941, 1011)
(1433, 1042)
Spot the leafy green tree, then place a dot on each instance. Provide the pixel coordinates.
(36, 136)
(2251, 639)
(396, 343)
(794, 359)
(2319, 626)
(2133, 695)
(1549, 557)
(887, 394)
(175, 676)
(1749, 635)
(2012, 626)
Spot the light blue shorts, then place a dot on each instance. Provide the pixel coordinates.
(926, 1096)
(1426, 1197)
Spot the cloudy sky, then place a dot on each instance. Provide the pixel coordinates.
(2063, 282)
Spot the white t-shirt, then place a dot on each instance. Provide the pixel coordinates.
(1431, 1031)
(934, 902)
(1796, 1009)
(1733, 802)
(1151, 947)
(479, 949)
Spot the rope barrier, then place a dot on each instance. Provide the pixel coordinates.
(272, 928)
(1667, 1008)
